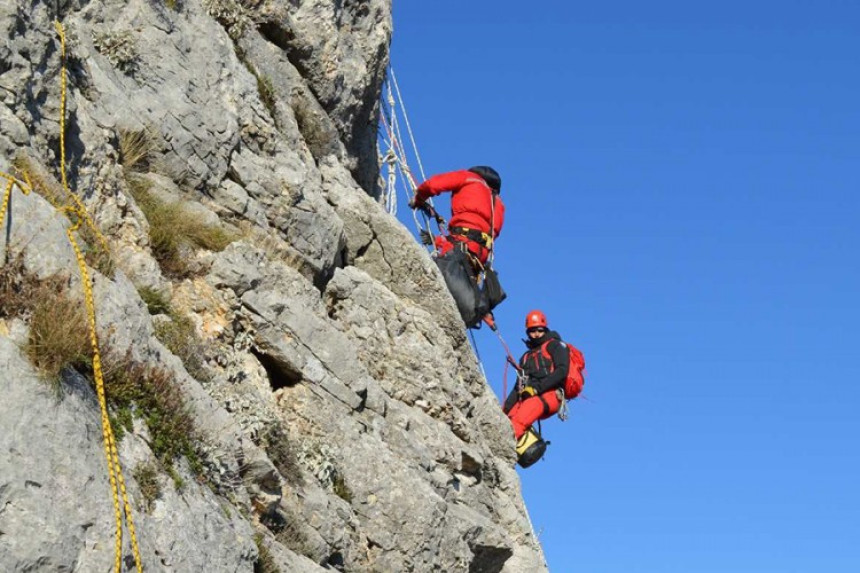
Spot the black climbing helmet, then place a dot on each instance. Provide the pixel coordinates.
(490, 175)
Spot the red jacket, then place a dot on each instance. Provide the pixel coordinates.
(473, 204)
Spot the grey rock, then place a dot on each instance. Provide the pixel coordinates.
(379, 245)
(57, 503)
(344, 70)
(341, 417)
(37, 231)
(234, 198)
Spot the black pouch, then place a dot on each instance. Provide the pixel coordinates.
(493, 288)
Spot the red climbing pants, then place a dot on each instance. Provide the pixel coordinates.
(527, 412)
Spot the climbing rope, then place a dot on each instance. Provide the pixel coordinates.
(477, 353)
(396, 162)
(7, 194)
(408, 125)
(77, 213)
(115, 476)
(396, 156)
(509, 360)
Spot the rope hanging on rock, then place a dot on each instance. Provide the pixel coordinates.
(117, 481)
(77, 213)
(396, 156)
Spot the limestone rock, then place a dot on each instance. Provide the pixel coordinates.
(339, 419)
(56, 500)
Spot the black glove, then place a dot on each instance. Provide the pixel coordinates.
(413, 203)
(426, 237)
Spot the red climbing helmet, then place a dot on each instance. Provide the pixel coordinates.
(535, 318)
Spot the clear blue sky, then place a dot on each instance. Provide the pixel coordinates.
(682, 189)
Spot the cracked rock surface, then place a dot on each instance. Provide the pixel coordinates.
(339, 417)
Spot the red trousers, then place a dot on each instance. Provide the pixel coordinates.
(527, 412)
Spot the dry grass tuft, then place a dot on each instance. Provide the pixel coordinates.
(173, 232)
(287, 526)
(135, 149)
(265, 561)
(279, 449)
(17, 289)
(156, 302)
(341, 489)
(180, 336)
(59, 334)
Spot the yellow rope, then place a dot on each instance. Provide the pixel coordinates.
(81, 210)
(6, 195)
(117, 481)
(78, 214)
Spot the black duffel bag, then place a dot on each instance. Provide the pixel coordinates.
(473, 302)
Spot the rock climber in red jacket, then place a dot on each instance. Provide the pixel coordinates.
(477, 211)
(544, 371)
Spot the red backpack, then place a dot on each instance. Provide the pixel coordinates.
(575, 374)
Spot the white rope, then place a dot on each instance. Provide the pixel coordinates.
(389, 194)
(478, 354)
(396, 156)
(408, 126)
(390, 197)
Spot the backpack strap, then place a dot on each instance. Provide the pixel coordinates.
(545, 352)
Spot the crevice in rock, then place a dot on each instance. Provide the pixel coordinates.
(342, 259)
(280, 375)
(322, 278)
(321, 141)
(336, 560)
(363, 249)
(231, 174)
(286, 525)
(277, 35)
(273, 520)
(489, 559)
(363, 395)
(471, 467)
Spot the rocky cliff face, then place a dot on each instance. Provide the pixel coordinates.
(290, 384)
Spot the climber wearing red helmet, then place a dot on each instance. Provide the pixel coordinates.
(544, 370)
(477, 211)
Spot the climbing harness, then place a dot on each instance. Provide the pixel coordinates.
(483, 239)
(77, 213)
